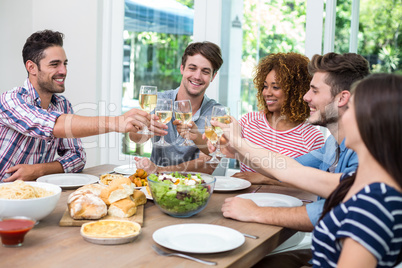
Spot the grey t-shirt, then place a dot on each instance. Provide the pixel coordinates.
(175, 154)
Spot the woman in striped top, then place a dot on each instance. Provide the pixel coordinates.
(281, 79)
(361, 225)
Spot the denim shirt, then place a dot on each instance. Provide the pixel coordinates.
(322, 159)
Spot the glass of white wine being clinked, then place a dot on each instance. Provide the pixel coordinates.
(184, 113)
(213, 139)
(222, 115)
(164, 110)
(147, 99)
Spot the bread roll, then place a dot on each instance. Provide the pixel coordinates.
(85, 205)
(139, 198)
(106, 179)
(118, 189)
(123, 208)
(93, 188)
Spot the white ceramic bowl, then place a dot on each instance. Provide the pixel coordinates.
(36, 208)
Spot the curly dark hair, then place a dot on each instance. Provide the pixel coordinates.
(292, 76)
(38, 42)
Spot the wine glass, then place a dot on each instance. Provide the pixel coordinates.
(221, 114)
(184, 113)
(147, 101)
(164, 110)
(213, 139)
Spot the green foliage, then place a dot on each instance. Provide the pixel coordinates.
(380, 32)
(271, 27)
(189, 3)
(279, 26)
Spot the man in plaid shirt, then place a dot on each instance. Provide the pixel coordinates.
(36, 123)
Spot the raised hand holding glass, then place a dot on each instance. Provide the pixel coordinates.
(184, 113)
(164, 110)
(213, 139)
(147, 99)
(222, 115)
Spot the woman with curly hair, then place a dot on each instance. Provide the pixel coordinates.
(281, 79)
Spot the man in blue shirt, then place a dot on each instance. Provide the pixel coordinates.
(328, 97)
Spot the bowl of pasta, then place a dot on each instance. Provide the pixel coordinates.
(34, 200)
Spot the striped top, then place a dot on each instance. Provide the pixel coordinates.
(293, 143)
(26, 132)
(372, 217)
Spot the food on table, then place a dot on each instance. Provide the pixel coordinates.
(95, 201)
(86, 204)
(110, 228)
(139, 178)
(21, 190)
(180, 194)
(123, 208)
(13, 230)
(139, 197)
(107, 178)
(118, 189)
(95, 189)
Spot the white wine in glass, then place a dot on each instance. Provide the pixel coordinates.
(184, 117)
(222, 115)
(164, 110)
(147, 100)
(213, 139)
(184, 113)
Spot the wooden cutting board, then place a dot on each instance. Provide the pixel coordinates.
(67, 221)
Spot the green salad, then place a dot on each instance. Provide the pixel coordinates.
(179, 193)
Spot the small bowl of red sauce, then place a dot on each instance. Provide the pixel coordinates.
(14, 229)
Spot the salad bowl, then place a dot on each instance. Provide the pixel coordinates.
(181, 194)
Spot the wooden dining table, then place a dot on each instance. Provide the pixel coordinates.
(50, 245)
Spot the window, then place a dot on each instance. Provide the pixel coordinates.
(156, 34)
(379, 32)
(269, 27)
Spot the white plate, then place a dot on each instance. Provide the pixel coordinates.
(273, 200)
(69, 180)
(198, 238)
(144, 190)
(126, 169)
(230, 184)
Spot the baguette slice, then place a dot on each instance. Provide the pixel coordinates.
(118, 189)
(138, 197)
(123, 208)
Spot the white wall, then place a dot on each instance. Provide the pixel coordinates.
(15, 27)
(81, 22)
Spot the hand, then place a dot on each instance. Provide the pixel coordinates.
(256, 178)
(240, 209)
(133, 121)
(156, 127)
(23, 172)
(189, 130)
(145, 164)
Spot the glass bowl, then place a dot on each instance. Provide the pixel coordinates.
(14, 229)
(181, 200)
